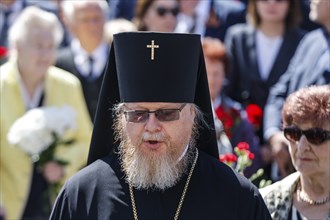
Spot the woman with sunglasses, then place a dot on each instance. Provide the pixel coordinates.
(156, 15)
(306, 193)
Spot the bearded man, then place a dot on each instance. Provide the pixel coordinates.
(154, 153)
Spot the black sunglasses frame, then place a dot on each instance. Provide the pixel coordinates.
(160, 114)
(162, 11)
(315, 136)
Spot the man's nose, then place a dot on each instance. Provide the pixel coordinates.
(152, 124)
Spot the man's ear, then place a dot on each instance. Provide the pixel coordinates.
(192, 110)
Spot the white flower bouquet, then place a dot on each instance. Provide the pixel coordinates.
(40, 130)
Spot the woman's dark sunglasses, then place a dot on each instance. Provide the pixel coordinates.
(139, 116)
(314, 136)
(161, 11)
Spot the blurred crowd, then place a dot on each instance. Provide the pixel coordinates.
(257, 52)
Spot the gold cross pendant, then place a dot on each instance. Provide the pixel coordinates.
(152, 46)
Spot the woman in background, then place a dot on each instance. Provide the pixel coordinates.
(260, 52)
(29, 80)
(304, 194)
(156, 15)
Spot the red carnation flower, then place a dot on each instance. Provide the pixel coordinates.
(254, 115)
(243, 146)
(229, 118)
(222, 158)
(230, 158)
(3, 51)
(241, 159)
(250, 155)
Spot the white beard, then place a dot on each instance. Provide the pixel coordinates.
(148, 171)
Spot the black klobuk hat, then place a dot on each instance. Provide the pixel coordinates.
(152, 67)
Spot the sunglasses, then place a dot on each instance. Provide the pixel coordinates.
(314, 136)
(162, 11)
(139, 116)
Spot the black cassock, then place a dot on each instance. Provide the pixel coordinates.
(99, 191)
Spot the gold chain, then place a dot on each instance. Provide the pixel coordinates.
(176, 217)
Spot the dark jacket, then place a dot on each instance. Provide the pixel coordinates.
(309, 66)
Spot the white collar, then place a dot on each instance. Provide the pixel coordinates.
(81, 58)
(33, 102)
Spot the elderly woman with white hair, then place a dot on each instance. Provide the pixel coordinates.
(29, 80)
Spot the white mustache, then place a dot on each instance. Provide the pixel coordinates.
(153, 137)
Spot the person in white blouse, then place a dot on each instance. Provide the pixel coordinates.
(260, 52)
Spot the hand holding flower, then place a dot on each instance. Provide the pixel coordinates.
(39, 133)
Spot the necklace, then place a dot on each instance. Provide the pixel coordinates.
(305, 198)
(176, 217)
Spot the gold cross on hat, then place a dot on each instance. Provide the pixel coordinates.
(152, 46)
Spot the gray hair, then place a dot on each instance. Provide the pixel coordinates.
(34, 17)
(69, 9)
